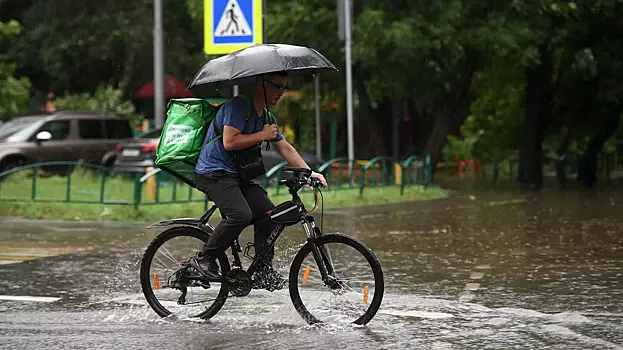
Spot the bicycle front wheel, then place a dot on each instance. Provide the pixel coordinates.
(354, 288)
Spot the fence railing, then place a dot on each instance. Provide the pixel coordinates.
(85, 183)
(608, 162)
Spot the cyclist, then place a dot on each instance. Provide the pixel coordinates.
(241, 122)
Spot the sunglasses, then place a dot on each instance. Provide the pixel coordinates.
(280, 88)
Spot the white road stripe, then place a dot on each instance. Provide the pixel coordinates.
(413, 313)
(476, 275)
(472, 286)
(29, 298)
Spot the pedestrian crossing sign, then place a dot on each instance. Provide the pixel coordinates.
(231, 25)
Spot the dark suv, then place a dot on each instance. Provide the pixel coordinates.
(60, 136)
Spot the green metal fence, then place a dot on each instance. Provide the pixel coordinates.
(84, 183)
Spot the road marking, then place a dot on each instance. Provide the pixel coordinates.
(419, 314)
(16, 252)
(476, 275)
(466, 297)
(472, 286)
(6, 262)
(29, 298)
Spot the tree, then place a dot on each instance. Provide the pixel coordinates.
(14, 93)
(75, 47)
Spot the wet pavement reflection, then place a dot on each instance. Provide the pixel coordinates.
(490, 271)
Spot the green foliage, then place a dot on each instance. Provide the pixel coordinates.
(76, 46)
(459, 148)
(105, 99)
(14, 92)
(494, 124)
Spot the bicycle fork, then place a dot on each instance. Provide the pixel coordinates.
(320, 253)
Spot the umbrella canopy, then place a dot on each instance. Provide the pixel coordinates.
(242, 66)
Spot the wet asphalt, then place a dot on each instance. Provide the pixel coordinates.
(487, 271)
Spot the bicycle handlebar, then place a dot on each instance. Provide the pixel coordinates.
(302, 177)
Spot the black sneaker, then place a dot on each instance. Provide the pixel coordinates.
(268, 279)
(207, 267)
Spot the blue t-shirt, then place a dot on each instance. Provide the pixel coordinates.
(234, 113)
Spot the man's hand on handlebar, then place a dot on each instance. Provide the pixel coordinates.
(319, 177)
(310, 178)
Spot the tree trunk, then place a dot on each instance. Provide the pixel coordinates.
(587, 172)
(128, 73)
(538, 105)
(437, 139)
(452, 116)
(381, 133)
(395, 139)
(561, 159)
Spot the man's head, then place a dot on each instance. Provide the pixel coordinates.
(275, 84)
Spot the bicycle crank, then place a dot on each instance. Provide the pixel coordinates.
(239, 282)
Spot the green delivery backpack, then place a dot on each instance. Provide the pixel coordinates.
(183, 133)
(184, 130)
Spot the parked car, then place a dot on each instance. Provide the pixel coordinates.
(60, 136)
(136, 154)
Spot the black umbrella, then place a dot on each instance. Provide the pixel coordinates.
(243, 66)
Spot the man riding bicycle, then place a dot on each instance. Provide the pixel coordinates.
(241, 122)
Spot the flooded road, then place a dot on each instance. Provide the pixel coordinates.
(537, 271)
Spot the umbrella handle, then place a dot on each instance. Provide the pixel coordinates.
(266, 112)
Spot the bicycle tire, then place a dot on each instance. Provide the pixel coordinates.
(160, 239)
(359, 246)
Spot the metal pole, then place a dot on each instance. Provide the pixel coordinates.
(264, 41)
(318, 126)
(235, 90)
(159, 107)
(349, 86)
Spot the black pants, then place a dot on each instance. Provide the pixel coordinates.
(239, 202)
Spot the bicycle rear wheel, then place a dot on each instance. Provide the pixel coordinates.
(168, 282)
(361, 287)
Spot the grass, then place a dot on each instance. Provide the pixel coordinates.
(85, 186)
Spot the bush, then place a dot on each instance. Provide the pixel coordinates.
(14, 93)
(105, 99)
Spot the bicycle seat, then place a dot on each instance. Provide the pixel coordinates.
(297, 171)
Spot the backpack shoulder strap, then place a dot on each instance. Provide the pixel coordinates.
(214, 121)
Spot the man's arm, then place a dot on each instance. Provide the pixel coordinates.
(292, 156)
(234, 118)
(233, 139)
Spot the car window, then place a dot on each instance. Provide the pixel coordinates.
(90, 129)
(58, 128)
(117, 129)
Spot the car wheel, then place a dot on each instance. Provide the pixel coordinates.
(12, 162)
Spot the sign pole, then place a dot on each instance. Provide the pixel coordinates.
(318, 125)
(159, 96)
(349, 86)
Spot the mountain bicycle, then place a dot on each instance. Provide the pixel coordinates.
(164, 275)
